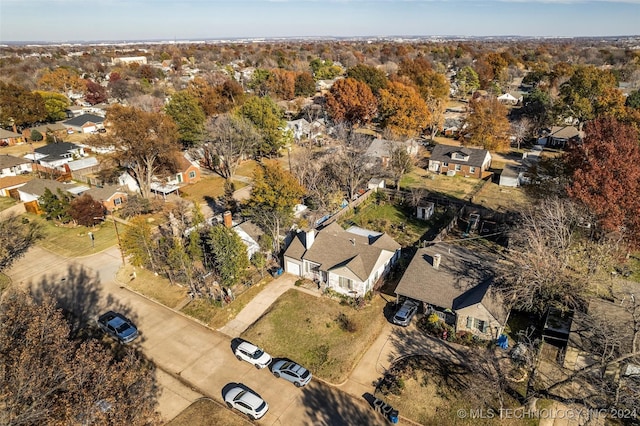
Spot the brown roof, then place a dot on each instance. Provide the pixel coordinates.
(38, 186)
(564, 132)
(463, 279)
(7, 161)
(336, 249)
(9, 181)
(105, 193)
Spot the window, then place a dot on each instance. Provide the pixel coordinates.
(345, 283)
(458, 167)
(192, 174)
(481, 325)
(472, 169)
(469, 322)
(445, 164)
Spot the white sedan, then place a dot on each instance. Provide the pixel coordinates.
(253, 355)
(246, 401)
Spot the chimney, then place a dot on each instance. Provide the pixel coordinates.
(436, 261)
(309, 238)
(226, 219)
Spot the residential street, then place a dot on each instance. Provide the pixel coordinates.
(192, 360)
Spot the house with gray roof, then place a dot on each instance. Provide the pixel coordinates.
(349, 261)
(85, 123)
(380, 149)
(559, 136)
(456, 284)
(457, 160)
(35, 188)
(13, 166)
(56, 155)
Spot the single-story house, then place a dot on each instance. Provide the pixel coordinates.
(85, 123)
(112, 197)
(381, 149)
(13, 166)
(559, 136)
(35, 189)
(9, 184)
(455, 160)
(300, 128)
(187, 173)
(349, 261)
(456, 284)
(56, 129)
(10, 138)
(56, 155)
(509, 99)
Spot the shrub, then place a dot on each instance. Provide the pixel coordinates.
(36, 136)
(346, 323)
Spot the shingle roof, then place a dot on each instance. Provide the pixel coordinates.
(82, 119)
(564, 132)
(443, 152)
(105, 193)
(57, 150)
(51, 127)
(38, 186)
(9, 181)
(5, 134)
(7, 161)
(343, 252)
(462, 279)
(82, 163)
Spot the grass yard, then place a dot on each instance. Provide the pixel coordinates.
(435, 393)
(5, 282)
(501, 199)
(246, 168)
(206, 412)
(6, 202)
(450, 186)
(214, 315)
(21, 149)
(74, 241)
(155, 287)
(298, 327)
(210, 187)
(390, 218)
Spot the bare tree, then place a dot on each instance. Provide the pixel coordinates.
(552, 258)
(521, 129)
(232, 138)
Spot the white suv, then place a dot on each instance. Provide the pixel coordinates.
(253, 355)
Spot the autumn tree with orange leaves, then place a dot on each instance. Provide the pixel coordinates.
(352, 101)
(605, 171)
(487, 125)
(402, 110)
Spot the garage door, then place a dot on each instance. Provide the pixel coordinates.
(293, 268)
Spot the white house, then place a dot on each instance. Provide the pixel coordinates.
(13, 166)
(55, 155)
(349, 261)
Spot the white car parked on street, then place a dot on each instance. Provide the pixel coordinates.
(253, 355)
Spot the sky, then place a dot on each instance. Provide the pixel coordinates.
(131, 20)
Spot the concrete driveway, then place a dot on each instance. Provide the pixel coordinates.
(192, 360)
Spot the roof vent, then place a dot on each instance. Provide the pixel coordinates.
(436, 261)
(353, 241)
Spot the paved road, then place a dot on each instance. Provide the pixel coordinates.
(186, 352)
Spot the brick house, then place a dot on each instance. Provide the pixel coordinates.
(455, 160)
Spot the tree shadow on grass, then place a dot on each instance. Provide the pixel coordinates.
(327, 406)
(78, 293)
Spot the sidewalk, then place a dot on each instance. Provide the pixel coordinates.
(258, 306)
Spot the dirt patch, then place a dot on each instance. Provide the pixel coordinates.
(206, 412)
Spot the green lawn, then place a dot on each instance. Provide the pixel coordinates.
(246, 168)
(306, 329)
(394, 220)
(74, 241)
